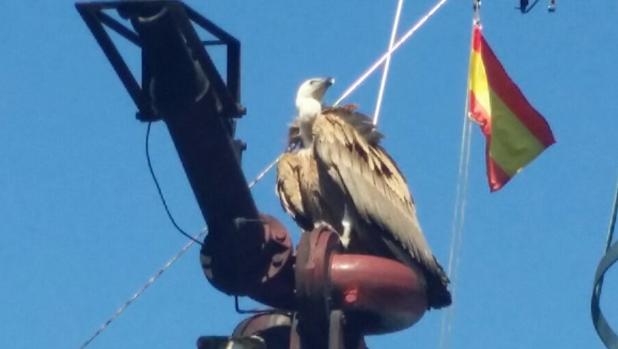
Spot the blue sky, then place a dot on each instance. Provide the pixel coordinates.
(83, 228)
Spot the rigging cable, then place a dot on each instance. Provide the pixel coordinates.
(142, 289)
(457, 226)
(390, 51)
(167, 265)
(195, 239)
(156, 182)
(370, 70)
(612, 221)
(459, 211)
(264, 172)
(387, 63)
(173, 259)
(607, 335)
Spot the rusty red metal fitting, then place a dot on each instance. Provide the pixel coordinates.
(376, 294)
(263, 271)
(312, 286)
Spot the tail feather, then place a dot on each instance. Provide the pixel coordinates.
(438, 295)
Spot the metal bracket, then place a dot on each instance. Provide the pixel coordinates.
(184, 18)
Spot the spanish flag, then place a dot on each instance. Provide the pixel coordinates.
(516, 133)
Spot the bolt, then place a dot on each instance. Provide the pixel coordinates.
(351, 296)
(279, 235)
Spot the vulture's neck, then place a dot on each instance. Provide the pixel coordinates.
(308, 109)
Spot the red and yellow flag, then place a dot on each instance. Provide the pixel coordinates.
(516, 133)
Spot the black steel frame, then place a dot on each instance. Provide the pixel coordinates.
(95, 17)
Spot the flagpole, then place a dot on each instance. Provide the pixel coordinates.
(457, 224)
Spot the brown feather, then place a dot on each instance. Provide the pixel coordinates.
(383, 214)
(360, 122)
(347, 169)
(288, 189)
(300, 193)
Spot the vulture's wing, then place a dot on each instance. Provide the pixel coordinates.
(360, 122)
(289, 189)
(377, 190)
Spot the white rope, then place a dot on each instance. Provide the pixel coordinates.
(457, 225)
(367, 73)
(264, 171)
(185, 248)
(165, 266)
(141, 290)
(387, 63)
(390, 51)
(457, 231)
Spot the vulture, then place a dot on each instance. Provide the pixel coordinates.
(335, 172)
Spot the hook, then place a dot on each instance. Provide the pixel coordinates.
(525, 6)
(476, 7)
